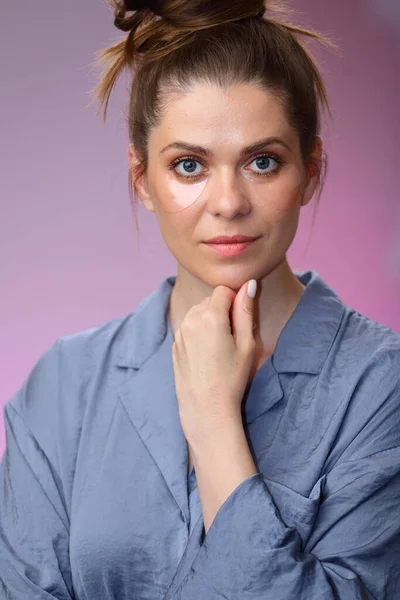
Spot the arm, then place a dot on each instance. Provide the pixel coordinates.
(251, 552)
(34, 525)
(223, 464)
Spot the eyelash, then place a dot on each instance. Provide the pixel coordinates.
(172, 165)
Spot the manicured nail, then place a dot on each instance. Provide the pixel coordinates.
(252, 288)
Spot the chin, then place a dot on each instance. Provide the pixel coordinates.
(234, 276)
(231, 276)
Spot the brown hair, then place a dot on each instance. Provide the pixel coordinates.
(173, 43)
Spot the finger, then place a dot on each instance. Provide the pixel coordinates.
(222, 298)
(243, 313)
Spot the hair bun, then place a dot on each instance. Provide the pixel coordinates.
(141, 5)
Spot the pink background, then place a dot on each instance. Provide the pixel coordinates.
(70, 258)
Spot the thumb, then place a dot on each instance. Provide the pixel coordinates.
(243, 312)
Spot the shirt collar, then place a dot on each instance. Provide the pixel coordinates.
(307, 337)
(303, 344)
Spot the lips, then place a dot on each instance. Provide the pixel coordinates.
(230, 249)
(234, 239)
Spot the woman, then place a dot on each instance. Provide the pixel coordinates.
(214, 443)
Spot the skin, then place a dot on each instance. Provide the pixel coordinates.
(221, 336)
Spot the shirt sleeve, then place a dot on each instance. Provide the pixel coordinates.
(34, 524)
(259, 548)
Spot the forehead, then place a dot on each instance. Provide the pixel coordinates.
(213, 115)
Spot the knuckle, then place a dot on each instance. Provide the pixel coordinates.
(213, 319)
(248, 310)
(249, 345)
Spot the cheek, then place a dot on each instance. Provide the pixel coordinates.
(285, 197)
(176, 225)
(174, 195)
(176, 230)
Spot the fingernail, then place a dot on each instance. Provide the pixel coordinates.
(252, 288)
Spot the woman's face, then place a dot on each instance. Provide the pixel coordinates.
(198, 196)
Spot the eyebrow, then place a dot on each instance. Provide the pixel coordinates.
(246, 150)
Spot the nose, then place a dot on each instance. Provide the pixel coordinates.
(227, 195)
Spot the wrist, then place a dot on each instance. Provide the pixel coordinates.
(222, 461)
(222, 447)
(209, 437)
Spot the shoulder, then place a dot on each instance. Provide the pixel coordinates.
(54, 394)
(76, 368)
(71, 358)
(85, 349)
(361, 377)
(366, 346)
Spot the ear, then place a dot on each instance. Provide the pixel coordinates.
(313, 168)
(140, 183)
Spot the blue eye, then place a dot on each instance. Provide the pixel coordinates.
(264, 161)
(189, 165)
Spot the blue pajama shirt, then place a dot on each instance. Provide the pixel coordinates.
(94, 495)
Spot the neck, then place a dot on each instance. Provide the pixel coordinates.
(278, 294)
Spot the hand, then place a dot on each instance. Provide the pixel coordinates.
(212, 357)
